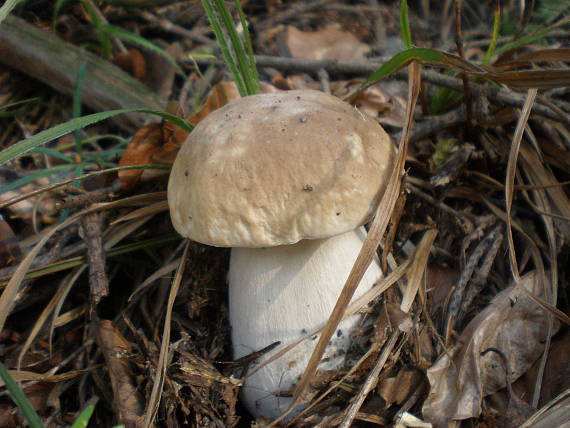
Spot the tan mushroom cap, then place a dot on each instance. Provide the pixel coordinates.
(272, 169)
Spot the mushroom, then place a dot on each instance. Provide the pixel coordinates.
(287, 180)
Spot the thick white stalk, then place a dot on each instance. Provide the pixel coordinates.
(280, 294)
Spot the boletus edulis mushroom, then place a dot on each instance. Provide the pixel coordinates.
(287, 180)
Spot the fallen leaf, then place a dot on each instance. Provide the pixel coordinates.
(327, 43)
(387, 107)
(513, 324)
(132, 62)
(144, 144)
(221, 94)
(9, 245)
(398, 388)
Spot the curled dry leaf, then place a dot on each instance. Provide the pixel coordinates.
(132, 62)
(398, 388)
(156, 139)
(9, 246)
(327, 43)
(462, 377)
(221, 94)
(383, 101)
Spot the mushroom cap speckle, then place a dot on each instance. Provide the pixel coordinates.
(272, 169)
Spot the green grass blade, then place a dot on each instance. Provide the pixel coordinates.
(224, 48)
(253, 75)
(127, 36)
(59, 4)
(35, 176)
(405, 31)
(402, 59)
(495, 35)
(53, 153)
(28, 412)
(105, 42)
(7, 8)
(57, 131)
(76, 110)
(238, 47)
(83, 419)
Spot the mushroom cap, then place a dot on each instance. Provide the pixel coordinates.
(272, 169)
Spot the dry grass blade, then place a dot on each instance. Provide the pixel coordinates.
(543, 201)
(524, 79)
(415, 276)
(56, 303)
(534, 243)
(59, 296)
(155, 208)
(165, 270)
(154, 400)
(370, 380)
(371, 351)
(23, 375)
(8, 296)
(372, 241)
(542, 178)
(550, 308)
(354, 307)
(554, 413)
(51, 187)
(417, 269)
(541, 55)
(511, 172)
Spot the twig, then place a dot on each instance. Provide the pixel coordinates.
(292, 12)
(324, 80)
(434, 124)
(495, 94)
(91, 231)
(466, 218)
(167, 25)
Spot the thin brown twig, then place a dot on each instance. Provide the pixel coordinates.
(494, 93)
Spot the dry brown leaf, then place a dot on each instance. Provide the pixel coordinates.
(460, 379)
(221, 94)
(556, 374)
(398, 388)
(37, 395)
(384, 101)
(327, 43)
(388, 107)
(132, 62)
(155, 144)
(554, 414)
(9, 246)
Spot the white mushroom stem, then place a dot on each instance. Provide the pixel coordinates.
(280, 294)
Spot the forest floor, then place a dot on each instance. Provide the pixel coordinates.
(104, 304)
